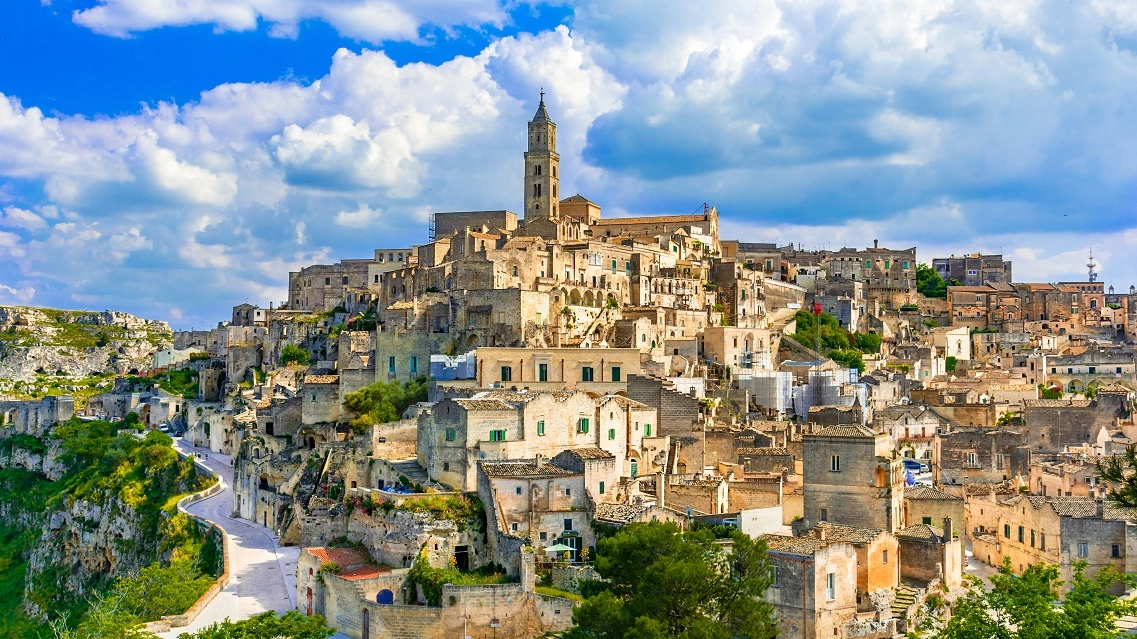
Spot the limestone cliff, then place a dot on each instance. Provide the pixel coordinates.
(37, 341)
(83, 505)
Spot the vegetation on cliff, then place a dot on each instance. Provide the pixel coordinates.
(118, 486)
(383, 402)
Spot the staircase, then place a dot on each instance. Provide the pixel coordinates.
(412, 471)
(905, 597)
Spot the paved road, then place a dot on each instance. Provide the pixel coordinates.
(263, 576)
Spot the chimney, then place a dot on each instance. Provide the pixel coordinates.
(1101, 509)
(660, 489)
(820, 532)
(947, 529)
(876, 243)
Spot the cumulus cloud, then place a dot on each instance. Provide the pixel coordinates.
(955, 125)
(366, 20)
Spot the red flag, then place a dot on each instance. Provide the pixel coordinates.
(817, 308)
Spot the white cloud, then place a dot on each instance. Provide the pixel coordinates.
(367, 20)
(362, 217)
(15, 217)
(10, 295)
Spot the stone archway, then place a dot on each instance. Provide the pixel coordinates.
(574, 297)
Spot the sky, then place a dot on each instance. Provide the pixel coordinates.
(173, 159)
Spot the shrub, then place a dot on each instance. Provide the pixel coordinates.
(291, 355)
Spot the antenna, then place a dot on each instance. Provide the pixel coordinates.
(1091, 265)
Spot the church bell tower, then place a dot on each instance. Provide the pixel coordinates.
(542, 166)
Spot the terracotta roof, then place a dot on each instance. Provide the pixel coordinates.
(321, 379)
(487, 236)
(523, 468)
(619, 513)
(364, 572)
(848, 430)
(522, 395)
(401, 306)
(923, 532)
(347, 558)
(794, 545)
(762, 452)
(654, 219)
(837, 532)
(928, 492)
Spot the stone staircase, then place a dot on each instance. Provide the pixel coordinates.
(412, 471)
(905, 597)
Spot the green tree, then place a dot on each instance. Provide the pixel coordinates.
(660, 582)
(929, 283)
(291, 354)
(1120, 474)
(383, 402)
(868, 342)
(291, 624)
(1024, 606)
(950, 363)
(850, 358)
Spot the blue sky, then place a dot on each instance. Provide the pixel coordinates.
(173, 159)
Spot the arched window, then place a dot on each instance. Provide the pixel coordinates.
(538, 169)
(536, 190)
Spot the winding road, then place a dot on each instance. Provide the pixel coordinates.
(263, 576)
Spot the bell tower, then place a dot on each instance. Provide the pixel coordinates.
(542, 165)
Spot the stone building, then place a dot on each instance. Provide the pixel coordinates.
(929, 553)
(979, 456)
(928, 505)
(851, 476)
(1095, 367)
(973, 269)
(599, 369)
(814, 586)
(889, 276)
(1066, 476)
(878, 557)
(913, 427)
(1057, 530)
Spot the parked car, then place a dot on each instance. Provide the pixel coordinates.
(914, 465)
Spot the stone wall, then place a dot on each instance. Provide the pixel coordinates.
(677, 412)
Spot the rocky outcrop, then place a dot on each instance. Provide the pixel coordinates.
(76, 343)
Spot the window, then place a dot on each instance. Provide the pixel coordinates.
(647, 430)
(518, 491)
(514, 271)
(506, 373)
(586, 374)
(611, 433)
(613, 265)
(1022, 534)
(1032, 541)
(615, 373)
(774, 576)
(824, 515)
(635, 469)
(927, 521)
(835, 463)
(541, 427)
(1007, 531)
(513, 526)
(1000, 461)
(544, 536)
(327, 281)
(568, 522)
(904, 264)
(972, 460)
(884, 557)
(451, 434)
(568, 493)
(601, 488)
(1042, 541)
(497, 435)
(887, 264)
(868, 263)
(582, 425)
(1115, 551)
(414, 363)
(831, 586)
(445, 466)
(391, 364)
(1083, 550)
(542, 372)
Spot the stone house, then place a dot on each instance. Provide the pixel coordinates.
(913, 427)
(851, 476)
(979, 456)
(321, 399)
(455, 433)
(597, 369)
(889, 275)
(878, 557)
(927, 505)
(929, 553)
(1070, 476)
(678, 412)
(1058, 530)
(814, 586)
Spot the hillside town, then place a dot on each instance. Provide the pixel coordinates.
(445, 430)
